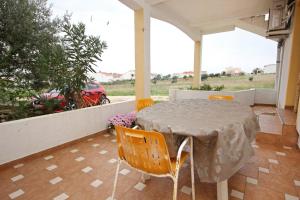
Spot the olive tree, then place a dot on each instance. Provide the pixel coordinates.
(28, 45)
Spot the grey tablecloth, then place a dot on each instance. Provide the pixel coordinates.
(223, 132)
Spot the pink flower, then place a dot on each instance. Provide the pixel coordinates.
(126, 120)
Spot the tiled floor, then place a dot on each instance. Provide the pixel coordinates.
(287, 116)
(269, 119)
(85, 171)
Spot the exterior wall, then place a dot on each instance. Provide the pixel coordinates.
(284, 73)
(24, 137)
(298, 123)
(265, 96)
(294, 67)
(269, 69)
(102, 78)
(245, 97)
(128, 75)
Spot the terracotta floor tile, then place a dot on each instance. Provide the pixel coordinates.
(259, 161)
(277, 183)
(291, 163)
(136, 195)
(287, 116)
(254, 192)
(283, 170)
(206, 191)
(6, 188)
(76, 184)
(8, 173)
(249, 170)
(237, 182)
(270, 124)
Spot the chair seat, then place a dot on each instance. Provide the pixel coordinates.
(183, 158)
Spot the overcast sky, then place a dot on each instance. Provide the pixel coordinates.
(171, 49)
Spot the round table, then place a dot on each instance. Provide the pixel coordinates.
(222, 131)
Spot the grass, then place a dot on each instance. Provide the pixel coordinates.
(161, 88)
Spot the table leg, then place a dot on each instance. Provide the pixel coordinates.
(222, 190)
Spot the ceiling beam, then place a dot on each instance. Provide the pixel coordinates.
(219, 29)
(155, 2)
(251, 27)
(165, 14)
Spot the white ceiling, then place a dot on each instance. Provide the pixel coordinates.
(199, 17)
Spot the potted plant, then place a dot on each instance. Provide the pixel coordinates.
(127, 120)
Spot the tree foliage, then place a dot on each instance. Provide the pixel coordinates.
(81, 53)
(38, 52)
(28, 43)
(257, 71)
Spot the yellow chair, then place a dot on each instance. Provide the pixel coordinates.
(147, 152)
(143, 103)
(221, 97)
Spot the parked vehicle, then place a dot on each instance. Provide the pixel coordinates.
(92, 94)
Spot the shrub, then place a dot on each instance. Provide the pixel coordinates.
(174, 79)
(206, 87)
(217, 75)
(251, 78)
(219, 88)
(204, 77)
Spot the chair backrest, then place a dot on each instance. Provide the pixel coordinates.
(221, 97)
(143, 103)
(144, 150)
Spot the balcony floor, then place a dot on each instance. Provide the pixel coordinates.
(86, 171)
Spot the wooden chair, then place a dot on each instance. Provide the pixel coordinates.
(221, 97)
(143, 103)
(147, 152)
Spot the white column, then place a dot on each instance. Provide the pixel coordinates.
(142, 53)
(197, 63)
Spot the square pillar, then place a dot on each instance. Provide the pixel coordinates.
(142, 53)
(197, 63)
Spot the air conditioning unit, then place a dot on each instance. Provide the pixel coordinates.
(280, 15)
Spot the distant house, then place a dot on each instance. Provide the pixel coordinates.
(104, 77)
(127, 75)
(269, 69)
(233, 70)
(187, 74)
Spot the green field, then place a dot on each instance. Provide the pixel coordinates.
(161, 88)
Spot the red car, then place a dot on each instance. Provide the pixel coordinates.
(92, 94)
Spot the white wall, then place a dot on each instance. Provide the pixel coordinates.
(24, 137)
(245, 97)
(265, 96)
(284, 73)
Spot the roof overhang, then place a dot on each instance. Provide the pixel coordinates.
(201, 17)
